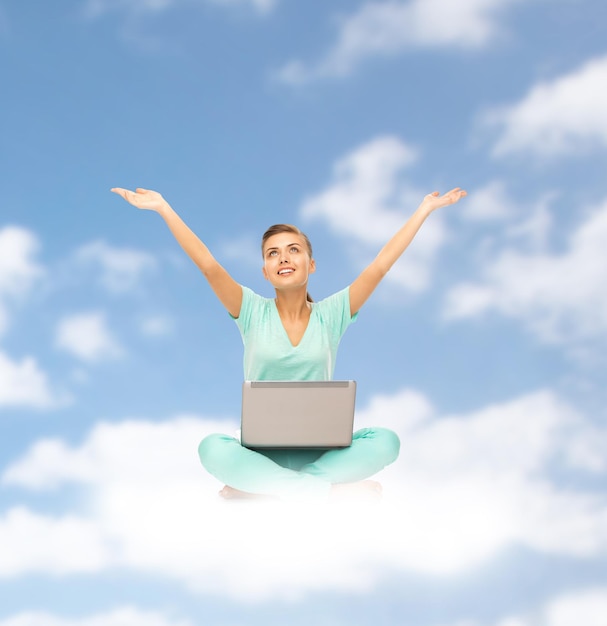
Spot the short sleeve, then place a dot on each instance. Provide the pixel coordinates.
(243, 321)
(334, 312)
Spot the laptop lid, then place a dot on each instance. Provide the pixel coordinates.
(297, 414)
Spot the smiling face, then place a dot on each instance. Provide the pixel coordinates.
(287, 260)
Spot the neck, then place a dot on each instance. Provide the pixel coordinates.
(292, 303)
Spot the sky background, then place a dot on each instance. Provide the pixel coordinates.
(484, 348)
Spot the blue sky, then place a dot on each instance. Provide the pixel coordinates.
(484, 348)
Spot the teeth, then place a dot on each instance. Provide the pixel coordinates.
(285, 271)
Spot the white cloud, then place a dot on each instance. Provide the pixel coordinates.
(559, 296)
(588, 607)
(534, 229)
(368, 201)
(565, 115)
(51, 462)
(152, 507)
(38, 543)
(125, 616)
(585, 607)
(18, 268)
(21, 383)
(121, 268)
(390, 27)
(488, 472)
(489, 203)
(87, 337)
(24, 384)
(529, 224)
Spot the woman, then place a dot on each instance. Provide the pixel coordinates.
(292, 338)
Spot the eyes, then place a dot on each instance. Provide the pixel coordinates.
(274, 252)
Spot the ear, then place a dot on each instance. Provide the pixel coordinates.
(312, 266)
(265, 273)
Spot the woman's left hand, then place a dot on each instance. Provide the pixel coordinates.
(435, 201)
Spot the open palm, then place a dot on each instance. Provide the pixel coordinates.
(436, 201)
(142, 198)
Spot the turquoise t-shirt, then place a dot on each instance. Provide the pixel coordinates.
(268, 352)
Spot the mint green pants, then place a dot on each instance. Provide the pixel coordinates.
(297, 473)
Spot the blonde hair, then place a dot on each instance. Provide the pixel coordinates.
(287, 228)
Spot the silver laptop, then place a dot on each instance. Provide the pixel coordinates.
(297, 414)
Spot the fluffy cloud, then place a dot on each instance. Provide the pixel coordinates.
(488, 473)
(126, 616)
(152, 508)
(18, 267)
(587, 607)
(121, 268)
(567, 114)
(21, 553)
(387, 28)
(24, 384)
(489, 203)
(559, 296)
(87, 337)
(368, 200)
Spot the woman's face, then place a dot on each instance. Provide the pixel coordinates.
(287, 262)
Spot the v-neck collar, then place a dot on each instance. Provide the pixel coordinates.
(284, 330)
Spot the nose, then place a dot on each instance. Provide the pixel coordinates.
(284, 258)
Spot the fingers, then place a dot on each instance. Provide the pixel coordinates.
(456, 194)
(132, 197)
(457, 190)
(129, 195)
(451, 197)
(124, 192)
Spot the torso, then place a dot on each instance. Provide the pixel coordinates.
(295, 328)
(293, 349)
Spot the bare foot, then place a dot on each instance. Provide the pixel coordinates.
(364, 490)
(230, 493)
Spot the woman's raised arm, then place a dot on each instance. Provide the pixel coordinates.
(225, 287)
(371, 276)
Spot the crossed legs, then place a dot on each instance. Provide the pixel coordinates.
(298, 473)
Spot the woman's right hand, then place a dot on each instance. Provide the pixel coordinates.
(142, 198)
